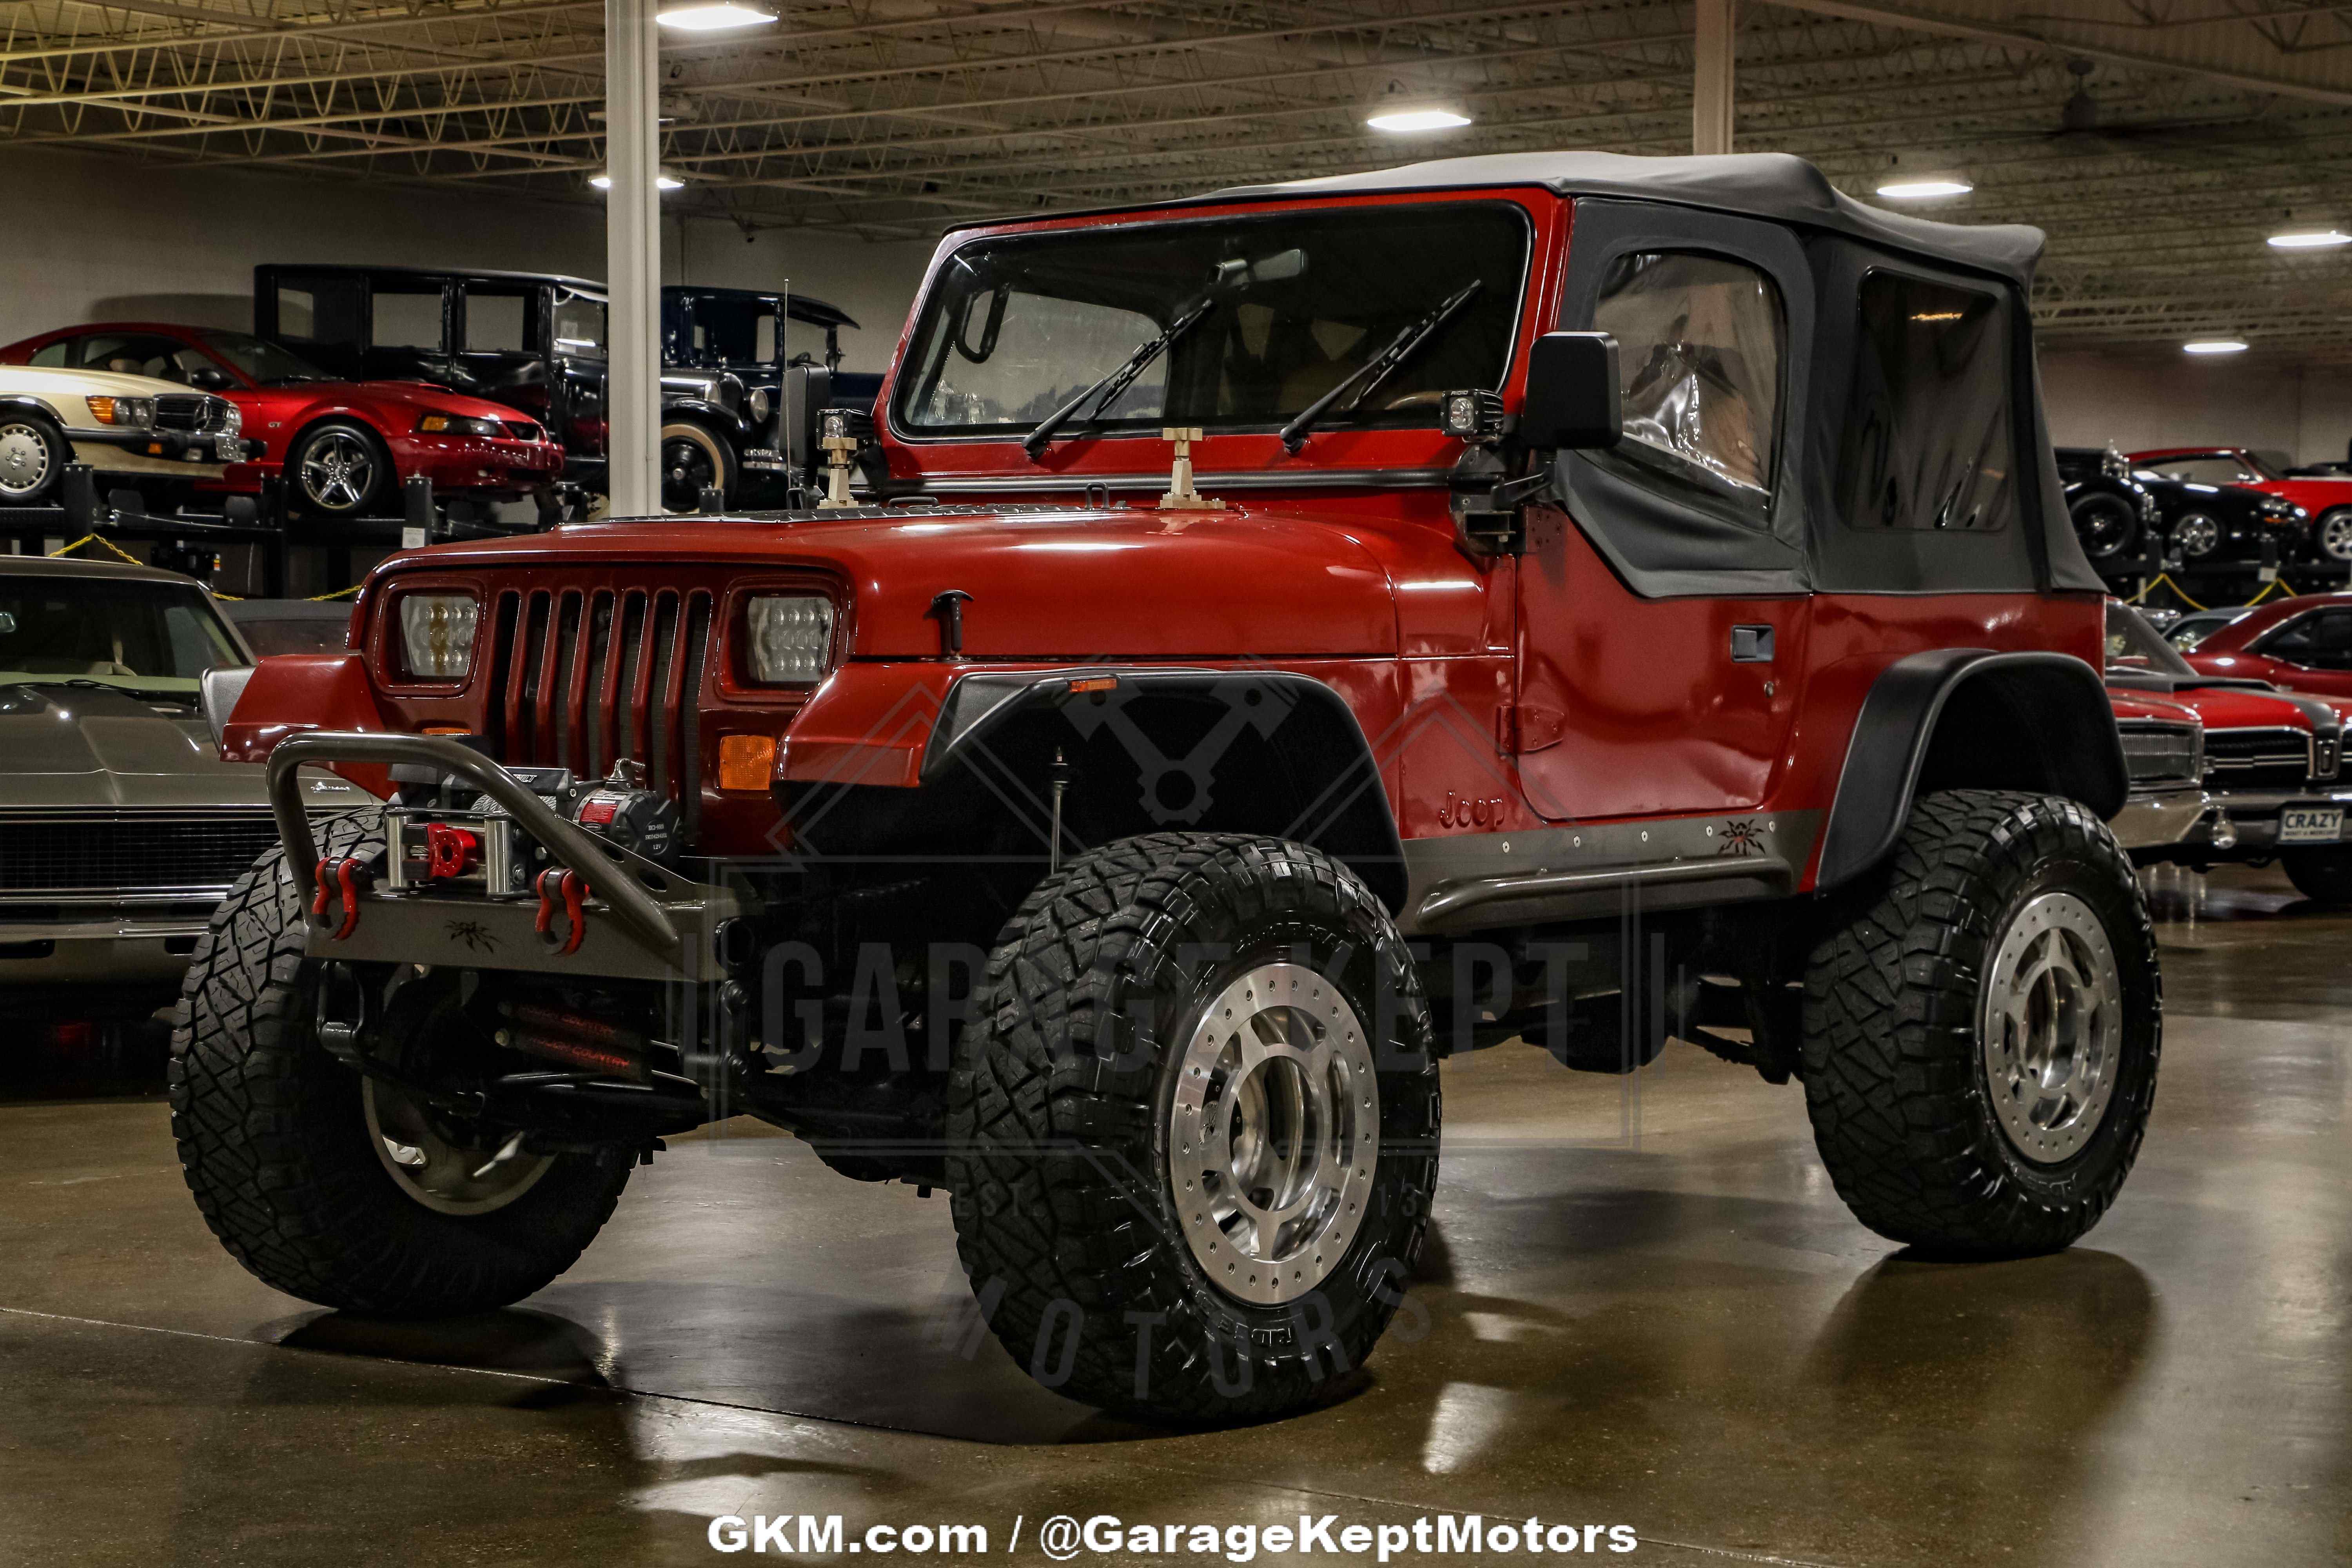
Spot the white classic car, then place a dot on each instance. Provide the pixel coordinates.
(133, 426)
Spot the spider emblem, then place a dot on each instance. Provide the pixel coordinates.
(1741, 836)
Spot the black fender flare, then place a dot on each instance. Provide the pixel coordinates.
(2063, 715)
(1349, 815)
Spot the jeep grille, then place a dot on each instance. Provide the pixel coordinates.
(580, 677)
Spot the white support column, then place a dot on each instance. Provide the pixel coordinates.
(1711, 100)
(633, 255)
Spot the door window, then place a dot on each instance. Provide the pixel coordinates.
(2321, 640)
(2208, 471)
(54, 354)
(1929, 440)
(325, 309)
(580, 326)
(406, 319)
(1700, 340)
(494, 323)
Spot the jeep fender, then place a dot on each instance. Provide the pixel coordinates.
(1256, 750)
(1963, 717)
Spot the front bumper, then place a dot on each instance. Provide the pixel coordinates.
(180, 454)
(474, 465)
(2244, 825)
(641, 920)
(114, 949)
(2151, 819)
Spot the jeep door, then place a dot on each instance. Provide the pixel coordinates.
(1662, 616)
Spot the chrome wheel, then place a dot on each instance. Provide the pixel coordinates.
(1273, 1133)
(443, 1177)
(25, 460)
(2336, 535)
(338, 470)
(2196, 535)
(2051, 1024)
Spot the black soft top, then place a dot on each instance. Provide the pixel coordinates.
(1774, 185)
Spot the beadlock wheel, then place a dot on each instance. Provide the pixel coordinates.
(2051, 1026)
(1273, 1133)
(442, 1175)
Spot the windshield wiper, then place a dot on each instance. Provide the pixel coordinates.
(85, 683)
(1105, 391)
(1379, 367)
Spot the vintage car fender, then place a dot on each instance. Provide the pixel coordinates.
(2066, 732)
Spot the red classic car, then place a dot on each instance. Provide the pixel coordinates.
(2303, 643)
(2328, 499)
(344, 446)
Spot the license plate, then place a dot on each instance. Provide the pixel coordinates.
(2311, 824)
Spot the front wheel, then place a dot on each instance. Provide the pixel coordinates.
(1981, 1028)
(2108, 525)
(347, 1191)
(2333, 534)
(694, 459)
(2196, 535)
(2323, 876)
(1192, 1142)
(339, 471)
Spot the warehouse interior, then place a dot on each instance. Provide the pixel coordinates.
(1641, 1302)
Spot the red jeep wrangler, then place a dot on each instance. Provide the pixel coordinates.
(1283, 637)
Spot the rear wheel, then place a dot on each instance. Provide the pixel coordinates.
(2107, 525)
(345, 1190)
(1981, 1028)
(32, 457)
(2196, 535)
(2324, 876)
(1193, 1142)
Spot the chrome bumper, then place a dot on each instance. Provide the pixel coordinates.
(2152, 820)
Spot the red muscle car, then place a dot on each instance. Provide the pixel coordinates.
(2328, 499)
(344, 446)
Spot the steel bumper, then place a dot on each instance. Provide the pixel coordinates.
(642, 921)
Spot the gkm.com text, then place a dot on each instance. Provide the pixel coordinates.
(1062, 1538)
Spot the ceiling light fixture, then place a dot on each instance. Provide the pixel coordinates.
(661, 182)
(2310, 239)
(2213, 346)
(713, 18)
(1923, 190)
(1404, 121)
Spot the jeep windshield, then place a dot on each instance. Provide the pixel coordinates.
(1015, 327)
(153, 638)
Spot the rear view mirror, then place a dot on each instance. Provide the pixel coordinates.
(807, 389)
(1572, 402)
(1281, 266)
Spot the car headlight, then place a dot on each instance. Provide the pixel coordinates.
(759, 405)
(458, 424)
(228, 419)
(436, 635)
(125, 411)
(791, 637)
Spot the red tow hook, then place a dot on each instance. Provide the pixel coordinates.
(572, 888)
(345, 876)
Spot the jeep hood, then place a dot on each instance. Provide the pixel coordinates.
(1065, 584)
(65, 745)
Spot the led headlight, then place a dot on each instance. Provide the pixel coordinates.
(791, 637)
(436, 635)
(458, 424)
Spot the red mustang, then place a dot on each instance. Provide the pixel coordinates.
(344, 446)
(2303, 644)
(2328, 499)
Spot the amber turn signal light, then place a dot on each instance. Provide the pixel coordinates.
(746, 761)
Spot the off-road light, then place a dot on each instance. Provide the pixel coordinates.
(833, 424)
(1923, 190)
(1404, 121)
(661, 182)
(2309, 239)
(2213, 346)
(791, 637)
(436, 633)
(712, 19)
(1474, 414)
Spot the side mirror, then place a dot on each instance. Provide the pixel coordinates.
(1573, 401)
(807, 389)
(209, 378)
(217, 693)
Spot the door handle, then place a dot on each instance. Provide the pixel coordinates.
(1751, 645)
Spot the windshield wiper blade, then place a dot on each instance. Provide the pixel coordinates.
(1379, 367)
(1105, 391)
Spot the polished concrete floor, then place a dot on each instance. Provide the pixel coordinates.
(1644, 1307)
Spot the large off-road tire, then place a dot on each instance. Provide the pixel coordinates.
(294, 1164)
(1179, 1034)
(2323, 876)
(1981, 1028)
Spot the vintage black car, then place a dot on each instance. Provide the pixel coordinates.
(536, 341)
(2112, 511)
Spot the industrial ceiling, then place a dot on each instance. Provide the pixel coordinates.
(2160, 142)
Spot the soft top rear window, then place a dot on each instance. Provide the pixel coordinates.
(1015, 327)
